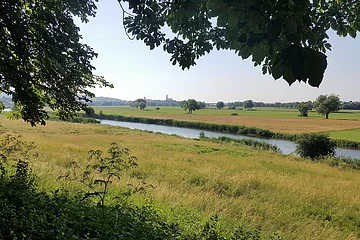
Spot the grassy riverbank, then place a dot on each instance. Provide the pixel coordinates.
(296, 198)
(228, 128)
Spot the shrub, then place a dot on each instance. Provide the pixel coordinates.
(234, 114)
(315, 145)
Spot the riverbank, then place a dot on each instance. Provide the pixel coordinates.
(226, 128)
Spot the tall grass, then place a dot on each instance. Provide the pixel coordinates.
(299, 199)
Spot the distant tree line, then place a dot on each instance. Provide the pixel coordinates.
(105, 101)
(350, 105)
(173, 103)
(247, 103)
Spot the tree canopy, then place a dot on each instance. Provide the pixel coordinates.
(303, 109)
(42, 61)
(142, 105)
(190, 105)
(248, 104)
(138, 103)
(325, 104)
(315, 145)
(220, 105)
(288, 38)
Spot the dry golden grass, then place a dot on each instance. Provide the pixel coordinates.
(298, 199)
(275, 124)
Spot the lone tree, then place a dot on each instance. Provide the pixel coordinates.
(157, 109)
(325, 104)
(142, 105)
(248, 104)
(137, 102)
(191, 105)
(288, 38)
(303, 109)
(220, 105)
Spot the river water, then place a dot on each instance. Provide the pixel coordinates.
(286, 147)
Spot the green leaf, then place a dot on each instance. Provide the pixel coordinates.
(293, 37)
(277, 71)
(233, 20)
(242, 38)
(291, 26)
(289, 76)
(258, 55)
(352, 33)
(264, 69)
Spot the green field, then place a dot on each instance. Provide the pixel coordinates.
(298, 199)
(341, 125)
(257, 112)
(353, 134)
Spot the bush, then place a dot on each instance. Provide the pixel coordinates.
(315, 145)
(234, 114)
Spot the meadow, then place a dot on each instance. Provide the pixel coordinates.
(299, 199)
(340, 125)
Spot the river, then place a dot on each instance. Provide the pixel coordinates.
(286, 147)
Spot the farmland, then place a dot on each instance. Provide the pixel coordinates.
(276, 120)
(284, 194)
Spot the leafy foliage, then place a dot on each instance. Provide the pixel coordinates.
(248, 104)
(43, 61)
(98, 176)
(142, 105)
(190, 105)
(325, 104)
(138, 103)
(315, 145)
(220, 105)
(303, 109)
(288, 38)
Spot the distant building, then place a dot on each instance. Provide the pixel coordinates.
(167, 98)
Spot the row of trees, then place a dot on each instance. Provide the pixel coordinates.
(233, 105)
(246, 104)
(324, 105)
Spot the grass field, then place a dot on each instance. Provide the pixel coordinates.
(276, 120)
(353, 134)
(255, 112)
(299, 199)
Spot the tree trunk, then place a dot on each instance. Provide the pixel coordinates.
(327, 116)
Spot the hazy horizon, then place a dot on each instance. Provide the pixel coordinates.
(137, 71)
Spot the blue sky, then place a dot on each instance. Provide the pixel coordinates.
(136, 71)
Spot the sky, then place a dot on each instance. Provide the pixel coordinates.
(137, 72)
